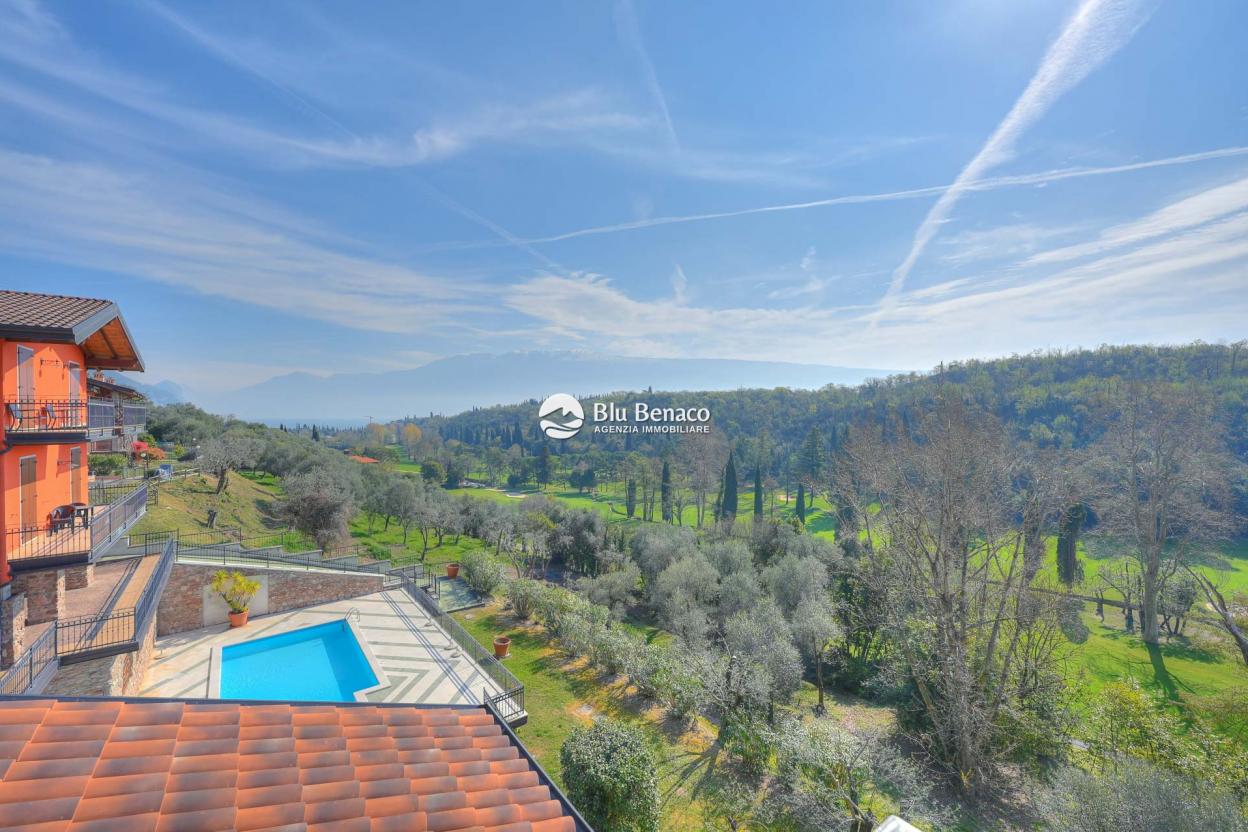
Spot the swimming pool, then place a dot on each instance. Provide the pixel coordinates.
(327, 662)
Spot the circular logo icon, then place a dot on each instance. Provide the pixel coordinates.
(561, 416)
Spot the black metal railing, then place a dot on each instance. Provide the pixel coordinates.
(118, 630)
(61, 541)
(21, 676)
(78, 537)
(509, 700)
(108, 525)
(107, 493)
(45, 415)
(95, 634)
(277, 551)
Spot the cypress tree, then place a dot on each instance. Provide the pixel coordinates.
(728, 507)
(1069, 569)
(316, 436)
(758, 491)
(665, 492)
(543, 465)
(630, 497)
(801, 503)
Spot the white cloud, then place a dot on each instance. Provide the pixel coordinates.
(1184, 287)
(1095, 32)
(1190, 212)
(1015, 240)
(187, 234)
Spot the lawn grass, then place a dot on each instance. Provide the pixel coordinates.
(1183, 670)
(562, 694)
(249, 503)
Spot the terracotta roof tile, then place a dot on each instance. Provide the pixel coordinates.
(32, 309)
(103, 765)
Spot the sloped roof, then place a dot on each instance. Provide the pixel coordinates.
(94, 324)
(154, 765)
(113, 387)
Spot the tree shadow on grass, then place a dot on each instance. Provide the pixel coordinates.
(1175, 648)
(1160, 674)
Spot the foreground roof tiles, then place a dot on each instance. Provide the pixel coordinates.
(135, 766)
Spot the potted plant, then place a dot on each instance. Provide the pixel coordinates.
(452, 570)
(237, 590)
(502, 646)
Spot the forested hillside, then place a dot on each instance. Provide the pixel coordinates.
(1049, 398)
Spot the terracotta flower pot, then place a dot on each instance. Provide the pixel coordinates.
(502, 644)
(452, 570)
(238, 619)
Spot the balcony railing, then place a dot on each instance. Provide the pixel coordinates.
(79, 539)
(118, 630)
(45, 416)
(30, 666)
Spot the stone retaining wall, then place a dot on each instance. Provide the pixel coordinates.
(186, 604)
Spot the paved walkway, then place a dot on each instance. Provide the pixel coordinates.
(423, 663)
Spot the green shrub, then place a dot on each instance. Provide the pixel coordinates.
(523, 595)
(106, 464)
(610, 777)
(481, 571)
(613, 649)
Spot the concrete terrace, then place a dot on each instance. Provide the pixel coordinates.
(423, 663)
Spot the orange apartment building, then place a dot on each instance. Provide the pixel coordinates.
(54, 414)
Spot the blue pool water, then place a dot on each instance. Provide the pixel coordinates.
(323, 662)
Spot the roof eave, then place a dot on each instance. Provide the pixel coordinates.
(87, 327)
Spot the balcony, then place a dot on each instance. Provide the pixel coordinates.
(109, 418)
(41, 421)
(81, 539)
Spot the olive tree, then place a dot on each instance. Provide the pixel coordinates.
(1139, 796)
(816, 630)
(319, 503)
(233, 450)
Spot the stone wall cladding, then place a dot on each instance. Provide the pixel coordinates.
(12, 629)
(80, 576)
(182, 603)
(45, 593)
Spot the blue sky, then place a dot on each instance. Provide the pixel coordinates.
(268, 187)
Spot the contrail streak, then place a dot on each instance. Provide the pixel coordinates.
(989, 184)
(1097, 30)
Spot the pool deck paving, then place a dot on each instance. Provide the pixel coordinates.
(424, 665)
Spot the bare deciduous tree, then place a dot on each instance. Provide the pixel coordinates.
(944, 504)
(1163, 483)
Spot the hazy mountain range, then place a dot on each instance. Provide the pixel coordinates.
(459, 383)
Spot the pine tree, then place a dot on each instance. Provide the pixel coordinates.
(1069, 569)
(758, 491)
(728, 506)
(801, 503)
(665, 492)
